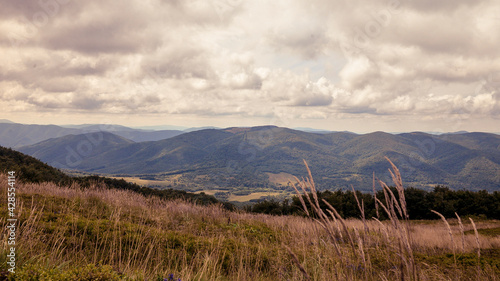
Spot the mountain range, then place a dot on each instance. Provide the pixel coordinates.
(16, 135)
(337, 159)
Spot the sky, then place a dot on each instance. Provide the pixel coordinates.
(361, 66)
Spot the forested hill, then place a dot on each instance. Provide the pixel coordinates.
(420, 202)
(338, 159)
(29, 169)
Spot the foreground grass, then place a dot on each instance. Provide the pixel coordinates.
(101, 234)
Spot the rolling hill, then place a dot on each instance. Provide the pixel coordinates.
(127, 232)
(136, 135)
(68, 151)
(17, 135)
(338, 159)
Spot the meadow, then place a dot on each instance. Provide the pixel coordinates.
(96, 233)
(230, 194)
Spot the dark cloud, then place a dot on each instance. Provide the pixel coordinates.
(95, 37)
(87, 102)
(31, 9)
(306, 40)
(314, 100)
(58, 85)
(443, 6)
(57, 73)
(177, 61)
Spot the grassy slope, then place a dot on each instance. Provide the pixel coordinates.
(114, 234)
(29, 169)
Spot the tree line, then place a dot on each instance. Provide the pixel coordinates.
(419, 203)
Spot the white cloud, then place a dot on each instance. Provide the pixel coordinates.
(252, 59)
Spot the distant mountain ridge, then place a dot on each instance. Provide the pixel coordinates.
(68, 151)
(16, 135)
(338, 159)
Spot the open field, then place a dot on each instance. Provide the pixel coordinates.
(243, 198)
(281, 178)
(169, 181)
(251, 196)
(144, 182)
(120, 235)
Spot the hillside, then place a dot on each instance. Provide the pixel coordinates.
(32, 170)
(80, 230)
(74, 234)
(29, 169)
(17, 135)
(243, 156)
(67, 152)
(141, 136)
(136, 135)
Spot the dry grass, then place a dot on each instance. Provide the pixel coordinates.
(145, 238)
(396, 238)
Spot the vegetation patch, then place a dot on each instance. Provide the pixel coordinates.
(493, 232)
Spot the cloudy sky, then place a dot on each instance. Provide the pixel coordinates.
(362, 66)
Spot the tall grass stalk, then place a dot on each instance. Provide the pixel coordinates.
(394, 207)
(461, 231)
(476, 234)
(450, 233)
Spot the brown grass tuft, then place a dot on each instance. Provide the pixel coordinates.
(450, 233)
